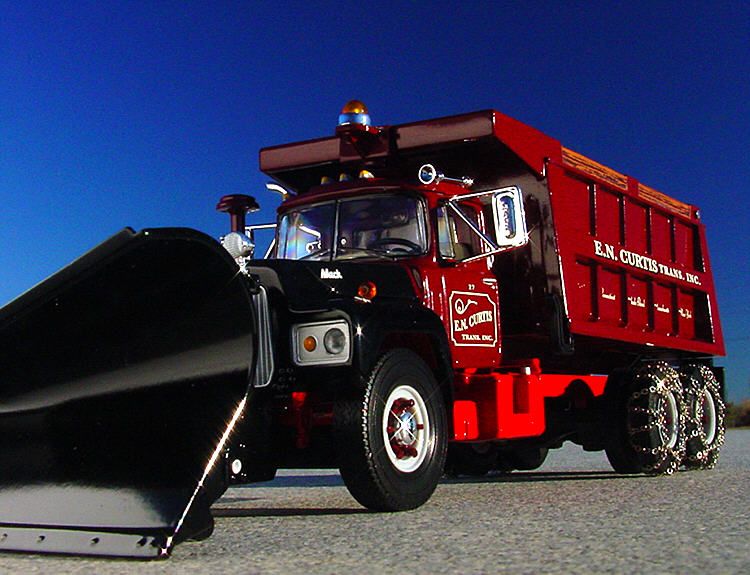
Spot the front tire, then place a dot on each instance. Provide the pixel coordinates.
(393, 435)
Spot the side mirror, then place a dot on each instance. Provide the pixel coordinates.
(510, 219)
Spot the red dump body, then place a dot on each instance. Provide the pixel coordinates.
(628, 265)
(635, 261)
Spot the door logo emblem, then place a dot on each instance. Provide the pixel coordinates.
(473, 319)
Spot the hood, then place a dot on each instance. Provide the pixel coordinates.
(313, 285)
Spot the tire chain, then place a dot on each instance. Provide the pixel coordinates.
(694, 427)
(667, 380)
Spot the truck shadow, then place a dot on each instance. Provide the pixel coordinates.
(332, 480)
(236, 506)
(322, 480)
(286, 511)
(534, 477)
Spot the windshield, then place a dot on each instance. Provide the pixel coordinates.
(384, 226)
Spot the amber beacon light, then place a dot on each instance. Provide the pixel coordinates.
(354, 112)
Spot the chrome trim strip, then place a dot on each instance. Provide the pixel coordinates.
(264, 364)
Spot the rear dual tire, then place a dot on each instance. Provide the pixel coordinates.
(659, 419)
(646, 419)
(705, 424)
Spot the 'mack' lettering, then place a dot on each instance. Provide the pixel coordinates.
(326, 274)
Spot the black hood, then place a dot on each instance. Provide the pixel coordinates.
(312, 285)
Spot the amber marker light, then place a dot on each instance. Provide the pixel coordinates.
(310, 343)
(367, 290)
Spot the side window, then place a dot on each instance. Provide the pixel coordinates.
(455, 238)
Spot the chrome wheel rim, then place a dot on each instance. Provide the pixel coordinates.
(707, 415)
(406, 428)
(669, 420)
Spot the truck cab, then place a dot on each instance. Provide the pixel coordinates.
(441, 235)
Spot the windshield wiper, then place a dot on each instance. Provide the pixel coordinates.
(318, 254)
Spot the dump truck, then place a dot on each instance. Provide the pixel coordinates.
(403, 325)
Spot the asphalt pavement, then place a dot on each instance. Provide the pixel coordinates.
(574, 515)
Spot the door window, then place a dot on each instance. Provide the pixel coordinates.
(456, 239)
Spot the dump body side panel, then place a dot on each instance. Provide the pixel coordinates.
(634, 261)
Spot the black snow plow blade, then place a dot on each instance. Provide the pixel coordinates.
(121, 378)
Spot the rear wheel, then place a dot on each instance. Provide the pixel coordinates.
(704, 424)
(393, 437)
(646, 421)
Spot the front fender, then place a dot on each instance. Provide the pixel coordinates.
(380, 326)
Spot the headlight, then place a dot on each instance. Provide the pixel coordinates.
(334, 341)
(336, 338)
(238, 245)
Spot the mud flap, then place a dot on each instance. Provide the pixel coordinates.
(121, 378)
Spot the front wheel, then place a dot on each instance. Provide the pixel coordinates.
(392, 437)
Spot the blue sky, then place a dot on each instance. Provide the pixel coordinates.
(144, 113)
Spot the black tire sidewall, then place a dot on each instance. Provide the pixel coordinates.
(407, 489)
(635, 403)
(618, 448)
(369, 474)
(652, 385)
